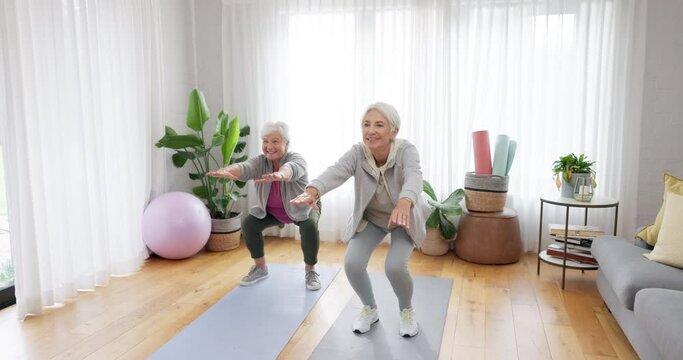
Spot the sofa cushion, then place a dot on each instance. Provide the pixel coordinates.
(660, 313)
(627, 271)
(669, 247)
(650, 233)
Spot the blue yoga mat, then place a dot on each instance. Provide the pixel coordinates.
(430, 301)
(251, 322)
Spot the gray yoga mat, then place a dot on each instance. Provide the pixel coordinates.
(430, 301)
(251, 322)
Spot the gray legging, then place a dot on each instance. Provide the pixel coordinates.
(358, 253)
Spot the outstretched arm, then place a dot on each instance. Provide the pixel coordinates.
(308, 197)
(292, 170)
(285, 174)
(231, 172)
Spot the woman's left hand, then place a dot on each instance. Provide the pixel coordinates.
(266, 178)
(400, 216)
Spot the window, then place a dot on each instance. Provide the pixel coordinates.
(6, 268)
(550, 74)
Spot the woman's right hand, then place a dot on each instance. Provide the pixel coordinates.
(230, 172)
(308, 197)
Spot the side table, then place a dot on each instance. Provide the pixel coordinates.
(596, 202)
(489, 237)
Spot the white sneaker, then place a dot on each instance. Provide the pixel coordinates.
(365, 319)
(312, 280)
(408, 326)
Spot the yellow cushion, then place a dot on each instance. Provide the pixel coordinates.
(669, 248)
(673, 185)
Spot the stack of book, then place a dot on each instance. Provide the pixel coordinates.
(579, 241)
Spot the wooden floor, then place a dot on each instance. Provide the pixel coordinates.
(495, 312)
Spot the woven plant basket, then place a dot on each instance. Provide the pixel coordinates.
(224, 241)
(434, 244)
(493, 183)
(225, 233)
(485, 193)
(485, 201)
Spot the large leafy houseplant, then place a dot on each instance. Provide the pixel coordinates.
(442, 210)
(219, 194)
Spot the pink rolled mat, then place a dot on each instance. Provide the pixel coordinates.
(482, 152)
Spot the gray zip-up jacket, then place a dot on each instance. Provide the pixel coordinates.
(255, 167)
(403, 177)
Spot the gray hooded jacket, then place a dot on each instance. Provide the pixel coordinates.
(403, 178)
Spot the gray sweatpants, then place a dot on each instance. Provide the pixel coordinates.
(358, 253)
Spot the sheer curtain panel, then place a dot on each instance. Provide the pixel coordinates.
(551, 74)
(80, 85)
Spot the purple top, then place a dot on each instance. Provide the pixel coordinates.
(274, 206)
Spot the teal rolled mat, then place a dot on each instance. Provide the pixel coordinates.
(511, 155)
(500, 157)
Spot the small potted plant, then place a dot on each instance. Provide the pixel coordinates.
(569, 168)
(219, 194)
(440, 229)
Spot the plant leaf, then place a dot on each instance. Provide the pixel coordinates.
(245, 130)
(222, 123)
(446, 228)
(433, 220)
(197, 111)
(223, 202)
(231, 137)
(240, 146)
(455, 197)
(169, 131)
(197, 176)
(186, 154)
(234, 195)
(433, 203)
(178, 160)
(179, 141)
(451, 206)
(240, 184)
(427, 188)
(201, 192)
(217, 139)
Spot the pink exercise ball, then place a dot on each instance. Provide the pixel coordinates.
(176, 225)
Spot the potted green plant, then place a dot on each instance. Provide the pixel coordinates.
(219, 194)
(569, 168)
(440, 229)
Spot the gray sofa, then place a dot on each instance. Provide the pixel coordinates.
(645, 297)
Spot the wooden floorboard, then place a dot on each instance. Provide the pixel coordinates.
(495, 311)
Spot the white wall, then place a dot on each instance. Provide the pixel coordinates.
(661, 145)
(209, 58)
(179, 77)
(192, 42)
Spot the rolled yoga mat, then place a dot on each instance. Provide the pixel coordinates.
(430, 301)
(511, 156)
(500, 156)
(482, 152)
(250, 322)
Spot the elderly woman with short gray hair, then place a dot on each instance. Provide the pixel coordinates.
(279, 175)
(388, 186)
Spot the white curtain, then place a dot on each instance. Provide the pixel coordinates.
(551, 74)
(79, 82)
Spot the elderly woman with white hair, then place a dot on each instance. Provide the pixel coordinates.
(279, 175)
(388, 186)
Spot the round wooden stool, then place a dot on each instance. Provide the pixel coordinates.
(489, 237)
